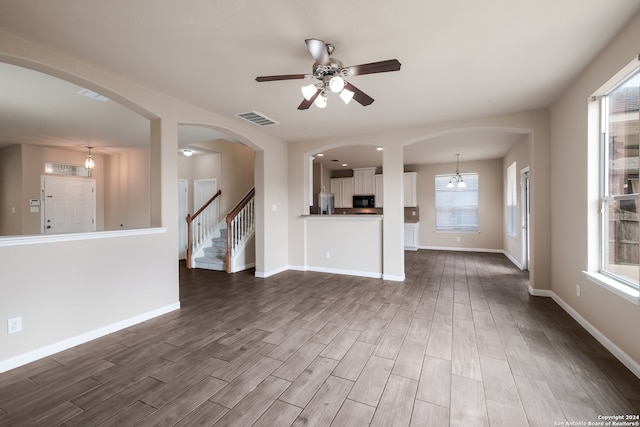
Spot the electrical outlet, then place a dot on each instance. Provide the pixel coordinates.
(578, 290)
(458, 238)
(14, 325)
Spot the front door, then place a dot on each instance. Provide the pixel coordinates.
(69, 205)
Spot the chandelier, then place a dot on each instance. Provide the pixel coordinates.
(456, 180)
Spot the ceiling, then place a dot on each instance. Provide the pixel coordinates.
(460, 59)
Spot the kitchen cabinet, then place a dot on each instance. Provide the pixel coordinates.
(378, 190)
(364, 184)
(342, 189)
(410, 196)
(411, 233)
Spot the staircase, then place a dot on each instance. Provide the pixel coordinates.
(233, 248)
(215, 256)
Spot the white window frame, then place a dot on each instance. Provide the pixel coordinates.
(598, 128)
(468, 178)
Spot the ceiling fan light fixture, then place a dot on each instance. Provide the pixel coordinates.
(308, 91)
(321, 100)
(336, 84)
(346, 95)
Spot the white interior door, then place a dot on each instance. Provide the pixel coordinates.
(69, 205)
(183, 208)
(203, 190)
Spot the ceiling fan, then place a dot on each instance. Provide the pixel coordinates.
(332, 73)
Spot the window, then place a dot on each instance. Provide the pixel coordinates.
(512, 203)
(620, 234)
(457, 208)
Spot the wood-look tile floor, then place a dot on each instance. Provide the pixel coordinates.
(459, 343)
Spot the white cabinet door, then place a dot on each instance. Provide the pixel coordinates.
(411, 232)
(410, 198)
(364, 181)
(342, 189)
(347, 192)
(336, 189)
(379, 194)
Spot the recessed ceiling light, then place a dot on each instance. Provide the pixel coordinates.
(344, 164)
(320, 155)
(379, 148)
(187, 153)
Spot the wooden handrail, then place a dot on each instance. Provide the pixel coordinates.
(230, 217)
(190, 218)
(199, 211)
(241, 204)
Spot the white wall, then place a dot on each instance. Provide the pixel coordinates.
(617, 319)
(126, 190)
(490, 207)
(344, 245)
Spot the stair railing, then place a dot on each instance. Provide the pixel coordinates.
(207, 219)
(240, 223)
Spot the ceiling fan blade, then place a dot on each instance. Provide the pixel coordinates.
(318, 50)
(374, 67)
(359, 95)
(282, 77)
(305, 104)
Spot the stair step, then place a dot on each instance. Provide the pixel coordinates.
(213, 253)
(210, 263)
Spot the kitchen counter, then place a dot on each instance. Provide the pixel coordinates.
(345, 216)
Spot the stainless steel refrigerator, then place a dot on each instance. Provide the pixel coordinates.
(323, 203)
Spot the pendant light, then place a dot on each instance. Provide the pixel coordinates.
(456, 180)
(89, 162)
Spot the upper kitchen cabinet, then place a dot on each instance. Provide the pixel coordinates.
(378, 185)
(364, 184)
(410, 197)
(342, 189)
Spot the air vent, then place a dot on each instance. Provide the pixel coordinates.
(257, 119)
(93, 95)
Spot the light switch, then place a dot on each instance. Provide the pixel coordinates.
(274, 207)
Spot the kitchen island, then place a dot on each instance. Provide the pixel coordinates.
(344, 244)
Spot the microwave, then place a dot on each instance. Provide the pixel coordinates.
(364, 201)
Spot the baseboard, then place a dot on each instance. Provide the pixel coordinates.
(623, 357)
(238, 268)
(369, 274)
(513, 260)
(393, 278)
(32, 356)
(460, 249)
(265, 274)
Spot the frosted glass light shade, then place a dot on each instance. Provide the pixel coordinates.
(336, 84)
(308, 91)
(346, 95)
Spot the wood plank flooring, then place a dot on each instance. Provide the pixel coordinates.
(459, 343)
